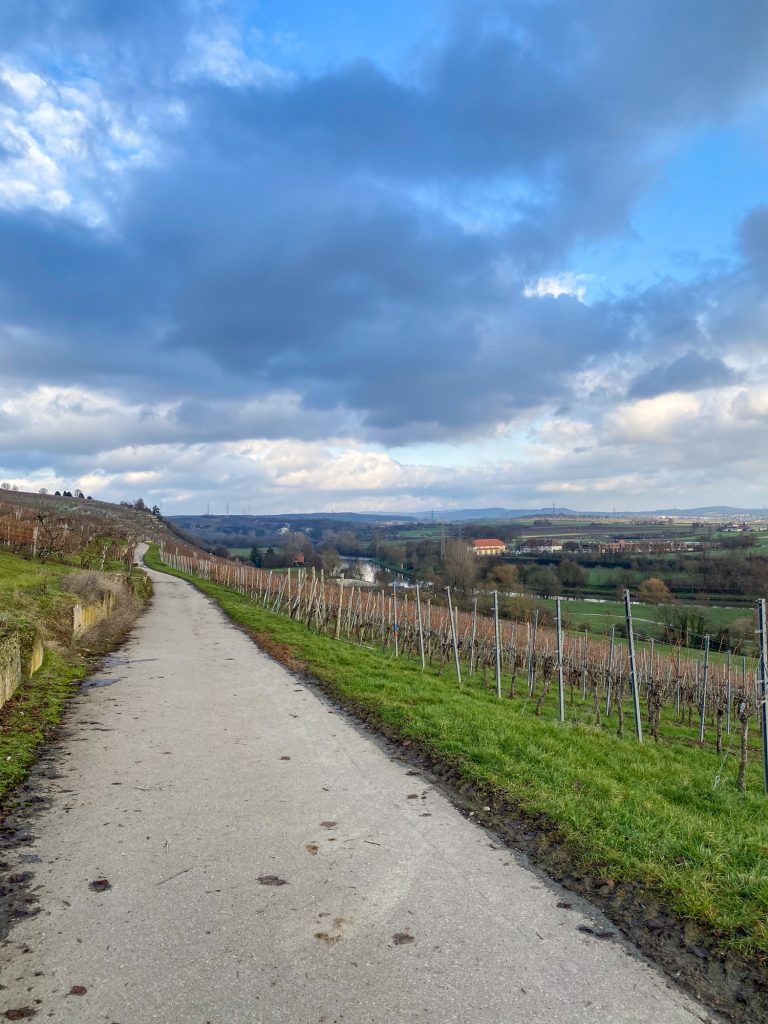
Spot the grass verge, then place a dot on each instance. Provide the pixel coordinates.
(31, 715)
(36, 594)
(646, 815)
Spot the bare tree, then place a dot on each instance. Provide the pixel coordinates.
(459, 565)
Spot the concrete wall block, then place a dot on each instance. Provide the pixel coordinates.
(86, 616)
(10, 666)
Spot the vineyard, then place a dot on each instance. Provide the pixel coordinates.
(676, 696)
(90, 534)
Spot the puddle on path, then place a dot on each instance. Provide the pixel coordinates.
(88, 684)
(112, 661)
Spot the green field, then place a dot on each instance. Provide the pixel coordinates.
(652, 814)
(647, 618)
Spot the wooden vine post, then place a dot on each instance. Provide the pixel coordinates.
(498, 642)
(560, 685)
(633, 668)
(454, 641)
(763, 670)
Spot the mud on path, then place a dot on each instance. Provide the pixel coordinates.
(210, 840)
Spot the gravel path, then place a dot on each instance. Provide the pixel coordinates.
(270, 862)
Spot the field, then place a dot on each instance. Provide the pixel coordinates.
(649, 619)
(666, 817)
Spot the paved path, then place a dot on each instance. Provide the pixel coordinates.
(193, 766)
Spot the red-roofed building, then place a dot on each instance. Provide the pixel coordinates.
(488, 546)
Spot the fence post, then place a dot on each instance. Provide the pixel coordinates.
(633, 668)
(395, 626)
(474, 637)
(609, 681)
(453, 636)
(763, 686)
(338, 610)
(421, 628)
(703, 705)
(498, 642)
(560, 685)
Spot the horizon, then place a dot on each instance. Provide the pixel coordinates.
(458, 255)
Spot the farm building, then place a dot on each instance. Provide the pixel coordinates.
(488, 546)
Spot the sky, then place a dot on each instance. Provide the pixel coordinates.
(307, 255)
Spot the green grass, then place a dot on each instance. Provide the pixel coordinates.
(33, 711)
(642, 814)
(648, 619)
(30, 594)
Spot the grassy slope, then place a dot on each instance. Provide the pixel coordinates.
(29, 716)
(30, 594)
(645, 814)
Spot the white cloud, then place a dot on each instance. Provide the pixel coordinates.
(557, 285)
(26, 84)
(218, 51)
(67, 145)
(652, 419)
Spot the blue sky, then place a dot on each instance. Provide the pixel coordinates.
(295, 256)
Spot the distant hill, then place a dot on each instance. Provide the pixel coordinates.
(204, 525)
(726, 511)
(458, 515)
(281, 519)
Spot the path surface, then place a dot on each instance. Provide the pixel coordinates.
(194, 765)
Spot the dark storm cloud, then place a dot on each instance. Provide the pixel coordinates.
(281, 240)
(691, 372)
(577, 102)
(64, 278)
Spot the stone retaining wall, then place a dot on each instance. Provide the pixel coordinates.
(10, 665)
(21, 655)
(86, 616)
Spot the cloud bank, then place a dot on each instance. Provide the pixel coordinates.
(225, 278)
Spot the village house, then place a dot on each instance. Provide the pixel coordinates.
(488, 546)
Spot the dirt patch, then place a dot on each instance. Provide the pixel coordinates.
(279, 651)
